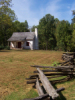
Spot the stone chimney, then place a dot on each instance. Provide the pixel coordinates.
(36, 39)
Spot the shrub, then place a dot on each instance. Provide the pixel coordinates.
(1, 47)
(7, 48)
(56, 48)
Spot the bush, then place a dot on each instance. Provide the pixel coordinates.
(7, 48)
(4, 47)
(1, 47)
(56, 48)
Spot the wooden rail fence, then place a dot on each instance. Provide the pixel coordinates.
(43, 79)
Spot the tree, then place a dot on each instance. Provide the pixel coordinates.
(21, 26)
(6, 17)
(33, 28)
(5, 9)
(73, 32)
(26, 24)
(64, 36)
(46, 31)
(73, 13)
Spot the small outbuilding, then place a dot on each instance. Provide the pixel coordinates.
(24, 40)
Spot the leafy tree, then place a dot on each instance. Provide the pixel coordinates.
(46, 31)
(73, 13)
(6, 17)
(21, 26)
(73, 39)
(26, 24)
(64, 36)
(33, 28)
(5, 9)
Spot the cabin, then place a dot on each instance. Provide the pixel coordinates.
(24, 40)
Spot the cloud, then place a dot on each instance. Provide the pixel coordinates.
(24, 12)
(33, 11)
(69, 14)
(53, 7)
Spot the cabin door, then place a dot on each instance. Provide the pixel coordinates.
(19, 44)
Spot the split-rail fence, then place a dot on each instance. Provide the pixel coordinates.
(45, 76)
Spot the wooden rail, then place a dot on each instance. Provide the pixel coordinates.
(45, 95)
(40, 77)
(47, 85)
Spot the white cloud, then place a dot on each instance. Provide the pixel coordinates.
(52, 8)
(69, 14)
(24, 11)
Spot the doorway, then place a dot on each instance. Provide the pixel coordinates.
(19, 44)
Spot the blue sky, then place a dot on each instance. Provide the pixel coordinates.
(34, 10)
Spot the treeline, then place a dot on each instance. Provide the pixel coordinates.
(53, 33)
(9, 22)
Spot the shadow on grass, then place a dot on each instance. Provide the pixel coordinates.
(16, 50)
(61, 96)
(5, 50)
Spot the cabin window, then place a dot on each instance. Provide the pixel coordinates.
(27, 43)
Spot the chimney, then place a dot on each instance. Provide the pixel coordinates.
(36, 39)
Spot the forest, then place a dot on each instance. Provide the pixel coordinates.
(53, 33)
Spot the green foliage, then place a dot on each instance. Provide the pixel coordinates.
(64, 36)
(33, 28)
(7, 24)
(46, 32)
(7, 48)
(73, 13)
(20, 26)
(55, 63)
(1, 47)
(4, 47)
(7, 16)
(53, 34)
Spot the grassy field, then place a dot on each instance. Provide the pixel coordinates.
(15, 67)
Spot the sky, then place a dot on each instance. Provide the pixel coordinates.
(34, 10)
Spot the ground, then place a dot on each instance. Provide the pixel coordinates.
(15, 66)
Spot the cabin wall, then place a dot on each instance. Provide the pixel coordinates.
(30, 45)
(12, 45)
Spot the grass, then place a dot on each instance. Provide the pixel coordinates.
(15, 67)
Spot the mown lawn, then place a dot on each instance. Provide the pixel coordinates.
(15, 67)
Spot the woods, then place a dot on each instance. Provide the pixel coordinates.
(53, 33)
(9, 22)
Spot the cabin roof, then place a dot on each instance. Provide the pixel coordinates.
(21, 36)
